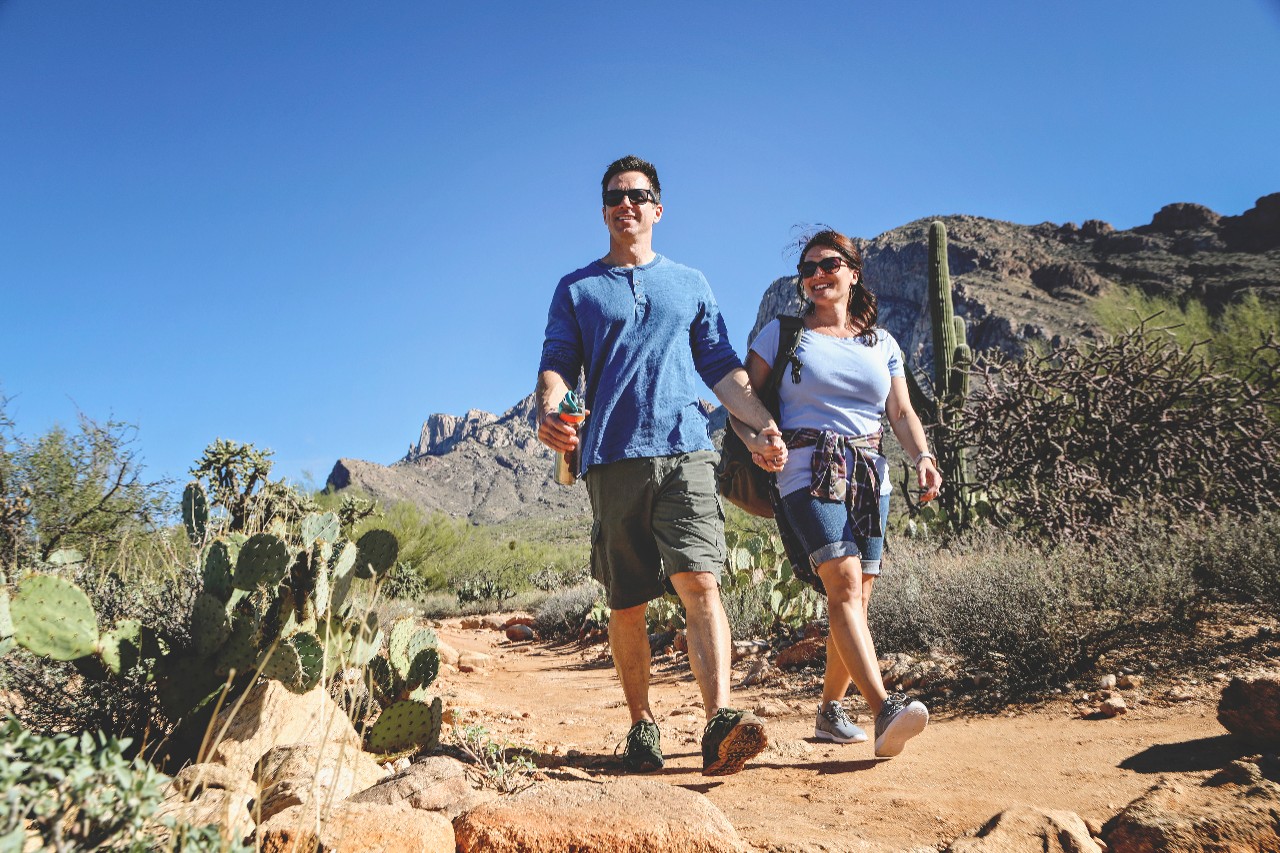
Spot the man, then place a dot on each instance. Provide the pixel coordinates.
(642, 329)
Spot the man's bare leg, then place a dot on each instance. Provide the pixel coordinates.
(707, 630)
(629, 641)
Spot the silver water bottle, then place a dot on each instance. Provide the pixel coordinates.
(571, 412)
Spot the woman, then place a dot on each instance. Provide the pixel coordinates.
(832, 485)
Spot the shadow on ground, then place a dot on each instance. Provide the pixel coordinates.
(1191, 756)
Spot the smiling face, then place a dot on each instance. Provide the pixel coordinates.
(629, 222)
(828, 289)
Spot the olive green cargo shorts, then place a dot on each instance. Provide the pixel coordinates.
(654, 517)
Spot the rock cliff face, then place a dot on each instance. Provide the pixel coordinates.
(1014, 285)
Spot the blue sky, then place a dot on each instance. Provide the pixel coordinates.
(309, 225)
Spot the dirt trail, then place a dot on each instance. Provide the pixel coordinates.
(802, 794)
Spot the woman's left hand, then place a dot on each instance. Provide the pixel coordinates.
(930, 479)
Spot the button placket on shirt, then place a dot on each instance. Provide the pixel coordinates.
(637, 292)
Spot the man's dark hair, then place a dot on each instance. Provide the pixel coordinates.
(631, 163)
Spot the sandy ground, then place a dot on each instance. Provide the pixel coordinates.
(802, 794)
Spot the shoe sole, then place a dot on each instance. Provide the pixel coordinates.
(820, 734)
(909, 723)
(744, 742)
(643, 767)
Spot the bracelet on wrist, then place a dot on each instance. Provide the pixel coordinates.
(923, 455)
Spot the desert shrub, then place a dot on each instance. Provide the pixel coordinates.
(1067, 444)
(551, 577)
(1228, 334)
(405, 582)
(1034, 615)
(1236, 559)
(81, 792)
(78, 489)
(747, 606)
(562, 612)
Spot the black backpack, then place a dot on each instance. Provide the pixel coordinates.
(740, 481)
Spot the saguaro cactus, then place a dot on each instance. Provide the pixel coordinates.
(952, 359)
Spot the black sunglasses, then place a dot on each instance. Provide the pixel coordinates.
(808, 269)
(613, 198)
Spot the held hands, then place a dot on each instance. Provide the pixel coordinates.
(767, 449)
(555, 433)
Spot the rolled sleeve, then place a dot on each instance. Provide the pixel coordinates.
(562, 343)
(713, 356)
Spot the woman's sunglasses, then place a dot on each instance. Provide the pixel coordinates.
(808, 269)
(613, 198)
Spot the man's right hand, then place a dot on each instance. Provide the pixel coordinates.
(559, 436)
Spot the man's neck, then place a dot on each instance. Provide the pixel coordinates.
(629, 255)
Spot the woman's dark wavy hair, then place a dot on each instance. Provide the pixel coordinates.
(863, 312)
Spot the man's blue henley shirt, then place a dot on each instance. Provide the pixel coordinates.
(642, 335)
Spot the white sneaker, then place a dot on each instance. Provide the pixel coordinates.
(834, 724)
(899, 720)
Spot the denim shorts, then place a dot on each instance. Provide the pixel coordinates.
(824, 530)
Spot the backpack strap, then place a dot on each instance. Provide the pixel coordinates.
(788, 341)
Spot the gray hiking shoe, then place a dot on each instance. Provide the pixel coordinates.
(730, 740)
(834, 724)
(644, 748)
(900, 719)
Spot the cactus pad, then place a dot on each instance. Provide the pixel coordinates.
(423, 669)
(217, 570)
(311, 657)
(342, 573)
(209, 625)
(263, 561)
(240, 651)
(128, 645)
(377, 553)
(398, 646)
(195, 511)
(53, 618)
(6, 621)
(382, 680)
(366, 639)
(406, 725)
(283, 664)
(320, 527)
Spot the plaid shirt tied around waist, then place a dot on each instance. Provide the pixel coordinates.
(859, 490)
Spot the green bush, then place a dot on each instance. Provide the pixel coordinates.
(1239, 560)
(562, 613)
(80, 792)
(1034, 616)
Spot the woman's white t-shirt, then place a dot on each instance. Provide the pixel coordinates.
(843, 387)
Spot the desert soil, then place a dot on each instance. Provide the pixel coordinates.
(802, 794)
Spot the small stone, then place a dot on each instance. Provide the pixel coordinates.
(520, 633)
(1107, 682)
(1129, 682)
(1112, 707)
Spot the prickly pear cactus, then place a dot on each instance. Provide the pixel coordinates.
(217, 570)
(406, 725)
(324, 527)
(195, 511)
(6, 620)
(263, 561)
(127, 645)
(210, 625)
(377, 551)
(52, 617)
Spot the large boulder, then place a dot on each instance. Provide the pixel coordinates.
(206, 795)
(437, 783)
(302, 773)
(270, 715)
(1237, 810)
(1250, 708)
(1028, 830)
(623, 815)
(355, 828)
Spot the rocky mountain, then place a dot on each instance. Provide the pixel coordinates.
(1014, 284)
